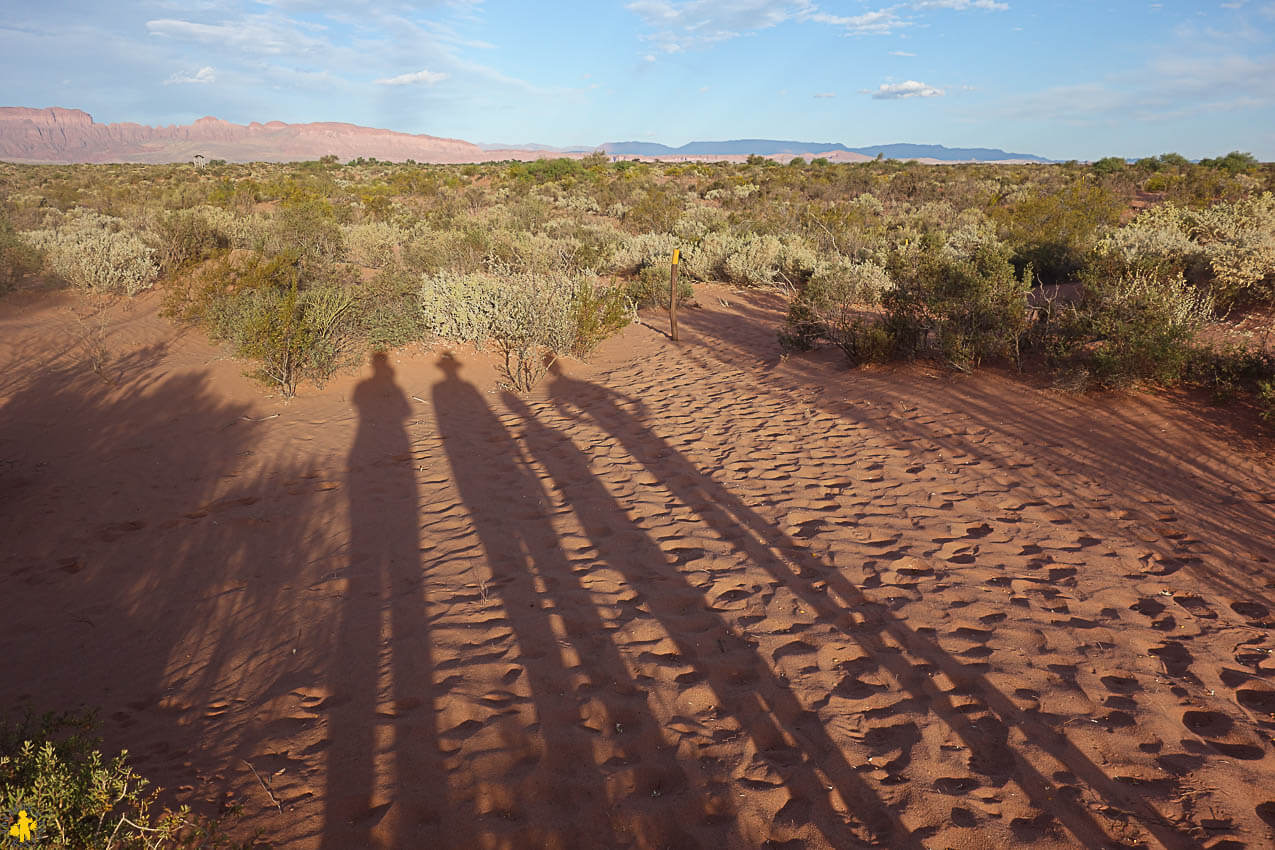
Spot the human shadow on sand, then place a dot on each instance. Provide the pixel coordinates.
(385, 776)
(988, 735)
(558, 789)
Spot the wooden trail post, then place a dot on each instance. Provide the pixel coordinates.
(672, 295)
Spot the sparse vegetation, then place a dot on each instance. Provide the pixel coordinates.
(50, 767)
(302, 267)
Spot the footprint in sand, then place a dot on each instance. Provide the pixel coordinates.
(1220, 732)
(1257, 700)
(1257, 614)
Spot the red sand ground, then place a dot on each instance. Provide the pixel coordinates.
(688, 596)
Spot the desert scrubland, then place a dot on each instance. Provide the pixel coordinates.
(371, 504)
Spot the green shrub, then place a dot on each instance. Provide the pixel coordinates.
(656, 211)
(1054, 231)
(535, 324)
(388, 310)
(295, 331)
(432, 251)
(51, 769)
(17, 258)
(651, 287)
(1127, 329)
(963, 309)
(1235, 162)
(185, 237)
(373, 244)
(307, 226)
(1110, 165)
(1266, 400)
(1231, 371)
(97, 252)
(837, 305)
(598, 312)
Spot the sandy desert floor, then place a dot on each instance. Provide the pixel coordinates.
(688, 595)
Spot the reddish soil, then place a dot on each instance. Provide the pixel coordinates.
(692, 595)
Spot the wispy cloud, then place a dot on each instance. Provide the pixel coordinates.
(425, 76)
(961, 5)
(901, 53)
(879, 22)
(204, 75)
(678, 26)
(1210, 78)
(258, 34)
(825, 94)
(908, 88)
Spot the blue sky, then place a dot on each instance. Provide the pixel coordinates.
(1079, 79)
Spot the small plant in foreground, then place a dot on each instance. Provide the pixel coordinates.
(74, 797)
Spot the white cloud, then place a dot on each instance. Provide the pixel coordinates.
(204, 76)
(825, 94)
(901, 53)
(880, 22)
(961, 5)
(678, 26)
(908, 88)
(425, 76)
(266, 34)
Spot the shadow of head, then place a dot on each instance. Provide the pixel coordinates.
(449, 364)
(382, 372)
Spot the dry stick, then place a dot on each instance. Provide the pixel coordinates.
(264, 787)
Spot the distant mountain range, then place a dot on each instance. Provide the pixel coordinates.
(772, 147)
(71, 135)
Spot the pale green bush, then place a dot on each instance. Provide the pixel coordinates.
(461, 306)
(971, 233)
(534, 325)
(530, 318)
(797, 261)
(97, 252)
(638, 252)
(524, 252)
(1239, 241)
(251, 232)
(698, 222)
(1231, 246)
(705, 259)
(580, 203)
(753, 260)
(836, 305)
(868, 205)
(1155, 243)
(373, 244)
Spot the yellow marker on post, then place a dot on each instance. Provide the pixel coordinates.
(672, 295)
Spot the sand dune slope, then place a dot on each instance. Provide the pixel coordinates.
(693, 595)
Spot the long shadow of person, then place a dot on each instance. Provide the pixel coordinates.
(869, 624)
(743, 684)
(382, 702)
(560, 792)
